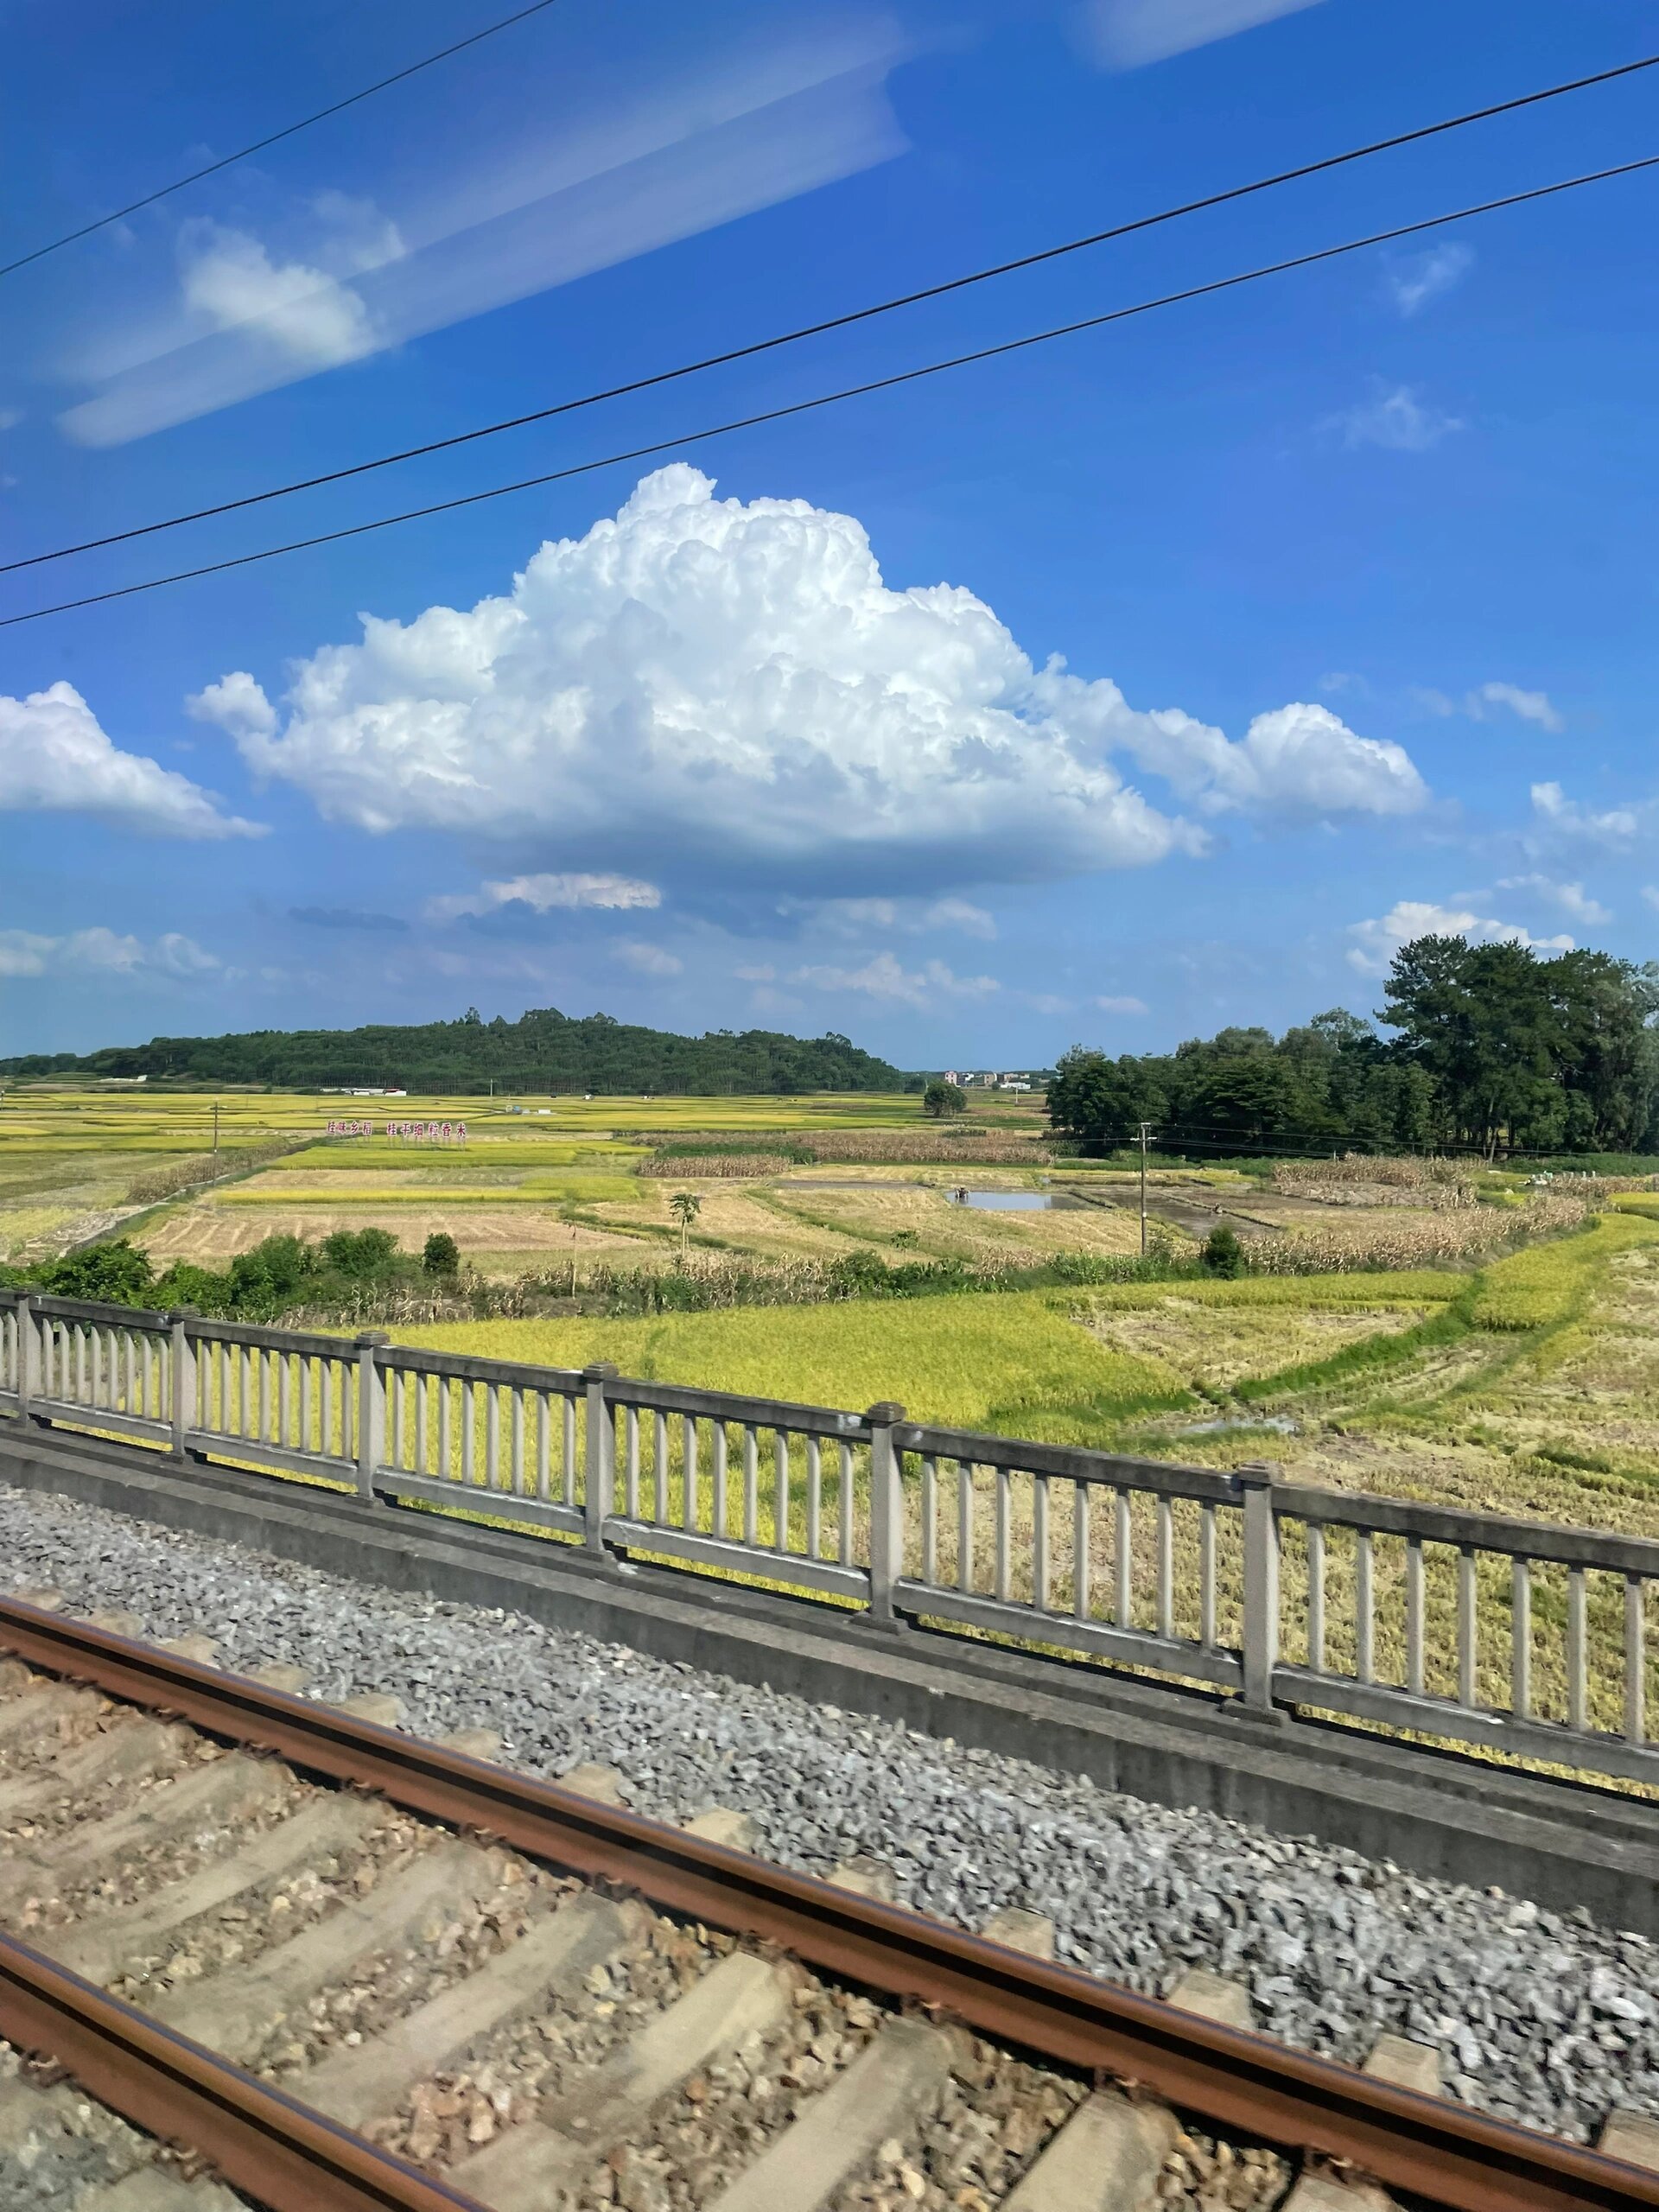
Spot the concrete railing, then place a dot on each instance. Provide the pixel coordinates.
(1519, 1635)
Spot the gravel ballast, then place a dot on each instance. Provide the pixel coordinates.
(1539, 2018)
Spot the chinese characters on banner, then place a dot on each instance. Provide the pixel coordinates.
(407, 1131)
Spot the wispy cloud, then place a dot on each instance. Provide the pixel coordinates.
(543, 893)
(1479, 705)
(853, 916)
(543, 205)
(1571, 898)
(1398, 420)
(1530, 705)
(1615, 825)
(646, 959)
(1415, 281)
(1129, 33)
(1122, 1005)
(104, 952)
(884, 977)
(346, 917)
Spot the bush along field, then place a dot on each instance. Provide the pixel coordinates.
(349, 1273)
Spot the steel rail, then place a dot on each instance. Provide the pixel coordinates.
(1426, 2146)
(280, 2151)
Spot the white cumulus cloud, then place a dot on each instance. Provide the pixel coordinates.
(1298, 759)
(738, 680)
(884, 977)
(1121, 1005)
(1377, 941)
(235, 703)
(1398, 420)
(231, 282)
(1421, 278)
(102, 952)
(55, 758)
(542, 893)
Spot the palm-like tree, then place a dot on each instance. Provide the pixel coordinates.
(685, 1206)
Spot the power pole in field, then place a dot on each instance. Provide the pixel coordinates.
(215, 1128)
(1145, 1130)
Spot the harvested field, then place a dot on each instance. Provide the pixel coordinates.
(211, 1235)
(926, 1218)
(1215, 1346)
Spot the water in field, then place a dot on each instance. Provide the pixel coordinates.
(958, 1194)
(1017, 1201)
(1279, 1424)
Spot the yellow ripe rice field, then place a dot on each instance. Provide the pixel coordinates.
(1017, 1364)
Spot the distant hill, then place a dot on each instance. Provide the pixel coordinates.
(543, 1051)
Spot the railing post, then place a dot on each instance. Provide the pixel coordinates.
(183, 1362)
(886, 1512)
(1255, 1480)
(370, 1411)
(599, 1456)
(29, 1352)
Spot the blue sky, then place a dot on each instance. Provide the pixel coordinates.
(1161, 678)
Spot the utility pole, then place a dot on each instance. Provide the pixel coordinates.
(1145, 1130)
(215, 1128)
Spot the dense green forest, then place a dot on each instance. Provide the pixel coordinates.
(1491, 1050)
(543, 1051)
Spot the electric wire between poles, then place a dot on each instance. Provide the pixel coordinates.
(850, 391)
(835, 322)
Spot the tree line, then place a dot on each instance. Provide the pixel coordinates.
(1488, 1049)
(543, 1050)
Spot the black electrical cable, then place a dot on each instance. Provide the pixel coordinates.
(259, 145)
(831, 398)
(835, 322)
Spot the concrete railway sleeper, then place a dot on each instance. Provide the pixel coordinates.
(454, 1986)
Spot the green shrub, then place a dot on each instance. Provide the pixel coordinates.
(360, 1255)
(1222, 1254)
(116, 1274)
(186, 1285)
(441, 1255)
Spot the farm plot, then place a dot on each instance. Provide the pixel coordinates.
(908, 1212)
(1016, 1364)
(489, 1238)
(1215, 1346)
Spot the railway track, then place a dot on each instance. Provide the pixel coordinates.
(346, 1969)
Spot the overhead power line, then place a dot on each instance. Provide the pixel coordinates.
(838, 323)
(848, 392)
(275, 138)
